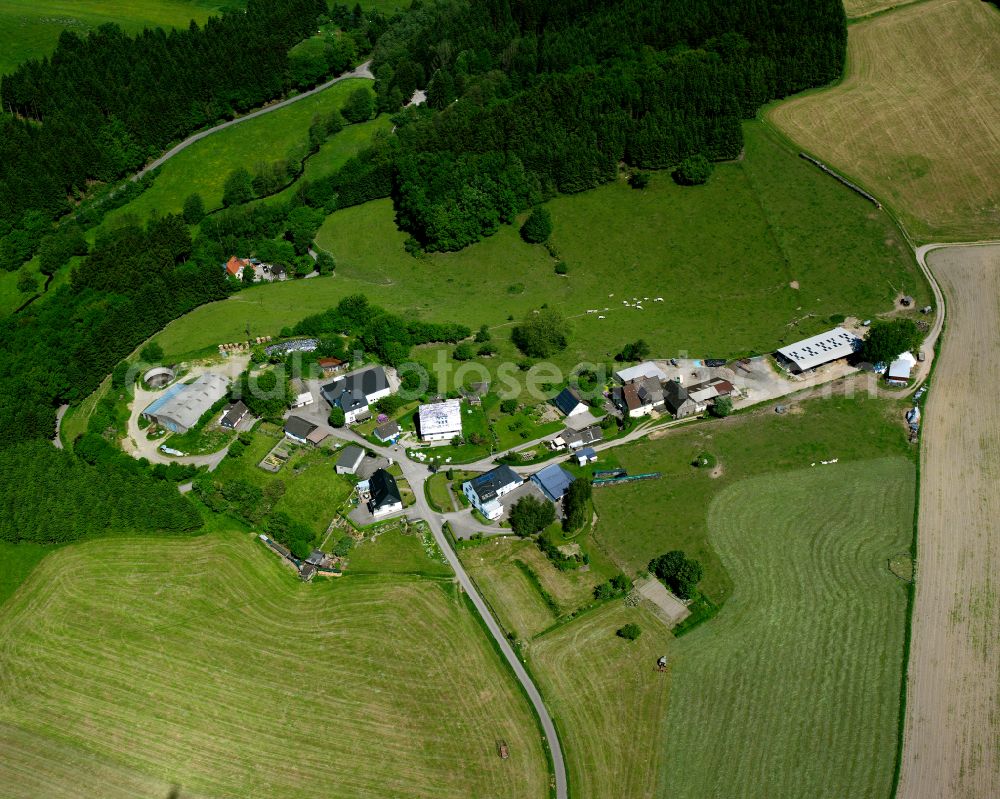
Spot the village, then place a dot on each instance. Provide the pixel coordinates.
(401, 458)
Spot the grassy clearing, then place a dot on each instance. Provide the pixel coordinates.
(864, 8)
(607, 699)
(808, 648)
(204, 166)
(397, 553)
(205, 665)
(920, 131)
(31, 28)
(726, 252)
(642, 520)
(512, 594)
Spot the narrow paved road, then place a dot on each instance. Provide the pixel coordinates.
(60, 413)
(362, 71)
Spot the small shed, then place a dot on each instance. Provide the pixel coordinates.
(585, 456)
(898, 373)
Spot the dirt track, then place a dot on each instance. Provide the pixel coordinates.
(952, 734)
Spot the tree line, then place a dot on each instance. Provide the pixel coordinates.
(531, 98)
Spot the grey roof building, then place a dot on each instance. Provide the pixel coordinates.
(581, 438)
(677, 400)
(350, 459)
(180, 408)
(388, 431)
(354, 392)
(490, 484)
(298, 428)
(234, 414)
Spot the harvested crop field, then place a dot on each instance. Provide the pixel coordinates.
(202, 667)
(952, 735)
(792, 690)
(917, 118)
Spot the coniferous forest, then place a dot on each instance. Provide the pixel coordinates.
(525, 99)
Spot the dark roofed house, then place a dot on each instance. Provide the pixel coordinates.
(385, 496)
(678, 402)
(388, 431)
(307, 572)
(484, 490)
(298, 429)
(569, 402)
(316, 557)
(234, 414)
(627, 399)
(353, 393)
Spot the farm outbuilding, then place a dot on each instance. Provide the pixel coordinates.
(350, 459)
(180, 408)
(553, 480)
(440, 421)
(158, 376)
(818, 350)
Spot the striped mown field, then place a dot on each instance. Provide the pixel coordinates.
(793, 689)
(202, 667)
(917, 117)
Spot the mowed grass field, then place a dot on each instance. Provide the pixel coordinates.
(31, 28)
(643, 520)
(203, 667)
(724, 258)
(204, 166)
(917, 118)
(793, 689)
(607, 699)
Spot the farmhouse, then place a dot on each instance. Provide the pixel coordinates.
(553, 480)
(180, 408)
(818, 350)
(385, 496)
(898, 373)
(644, 369)
(331, 366)
(298, 429)
(484, 491)
(353, 393)
(568, 401)
(389, 431)
(639, 397)
(440, 421)
(301, 394)
(234, 414)
(678, 402)
(235, 267)
(350, 459)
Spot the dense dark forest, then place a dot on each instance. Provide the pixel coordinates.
(102, 104)
(49, 496)
(534, 97)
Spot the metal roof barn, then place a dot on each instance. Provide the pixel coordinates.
(819, 349)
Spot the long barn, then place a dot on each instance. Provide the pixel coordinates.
(818, 350)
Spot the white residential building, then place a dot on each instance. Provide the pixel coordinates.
(440, 421)
(484, 491)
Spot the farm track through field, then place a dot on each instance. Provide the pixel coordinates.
(361, 71)
(951, 744)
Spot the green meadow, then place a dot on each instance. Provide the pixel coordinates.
(763, 254)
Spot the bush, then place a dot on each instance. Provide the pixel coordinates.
(152, 352)
(887, 340)
(693, 171)
(483, 334)
(576, 502)
(721, 408)
(194, 209)
(27, 283)
(680, 573)
(343, 546)
(487, 350)
(238, 189)
(464, 352)
(508, 406)
(561, 268)
(359, 106)
(638, 180)
(541, 334)
(537, 227)
(635, 351)
(236, 450)
(336, 418)
(629, 632)
(530, 515)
